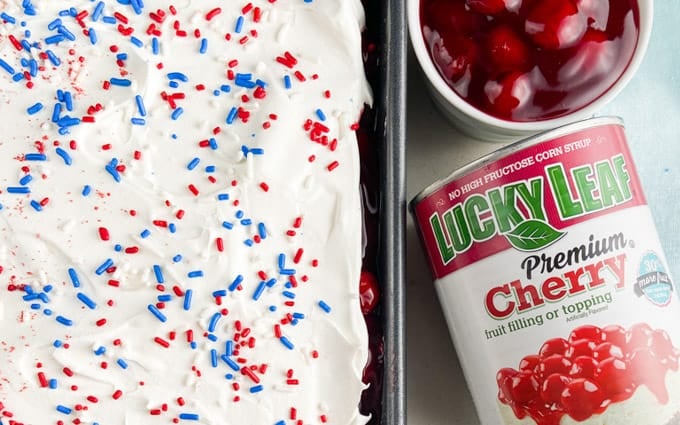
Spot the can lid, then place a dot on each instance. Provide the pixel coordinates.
(514, 147)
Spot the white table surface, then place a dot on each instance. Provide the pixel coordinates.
(650, 106)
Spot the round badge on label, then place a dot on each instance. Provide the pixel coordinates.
(653, 282)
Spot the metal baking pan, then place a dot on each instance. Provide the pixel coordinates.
(391, 109)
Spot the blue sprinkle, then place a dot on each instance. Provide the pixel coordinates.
(164, 298)
(225, 224)
(86, 300)
(93, 35)
(225, 88)
(140, 105)
(257, 151)
(172, 228)
(229, 375)
(109, 20)
(321, 115)
(213, 143)
(64, 321)
(54, 39)
(67, 121)
(213, 321)
(18, 77)
(256, 389)
(245, 151)
(137, 42)
(118, 247)
(105, 265)
(193, 345)
(53, 58)
(222, 196)
(219, 293)
(248, 242)
(60, 95)
(216, 92)
(155, 46)
(36, 306)
(298, 315)
(26, 180)
(195, 273)
(178, 76)
(138, 121)
(121, 82)
(33, 65)
(36, 205)
(271, 282)
(213, 357)
(156, 312)
(63, 409)
(280, 423)
(325, 307)
(122, 56)
(68, 100)
(239, 25)
(86, 190)
(65, 156)
(7, 67)
(232, 115)
(66, 33)
(286, 82)
(212, 337)
(239, 214)
(48, 288)
(246, 222)
(57, 343)
(286, 342)
(204, 46)
(262, 231)
(282, 261)
(145, 234)
(98, 10)
(288, 294)
(261, 83)
(111, 169)
(100, 350)
(231, 363)
(8, 18)
(236, 283)
(177, 258)
(260, 289)
(193, 163)
(47, 312)
(210, 169)
(18, 190)
(35, 157)
(229, 348)
(122, 363)
(159, 273)
(189, 416)
(173, 84)
(176, 113)
(187, 299)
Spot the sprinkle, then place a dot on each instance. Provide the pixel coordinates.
(36, 205)
(158, 273)
(214, 12)
(103, 267)
(178, 76)
(156, 312)
(155, 46)
(227, 225)
(53, 384)
(223, 197)
(63, 409)
(122, 363)
(137, 42)
(64, 155)
(161, 342)
(195, 274)
(35, 108)
(213, 321)
(239, 25)
(86, 190)
(256, 389)
(177, 113)
(189, 416)
(288, 294)
(93, 36)
(187, 299)
(137, 121)
(8, 18)
(18, 190)
(7, 67)
(35, 157)
(286, 342)
(25, 180)
(64, 321)
(86, 300)
(100, 351)
(177, 258)
(193, 163)
(321, 115)
(140, 105)
(117, 394)
(260, 289)
(235, 284)
(325, 307)
(145, 234)
(204, 46)
(121, 82)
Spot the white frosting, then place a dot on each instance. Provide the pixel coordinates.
(37, 248)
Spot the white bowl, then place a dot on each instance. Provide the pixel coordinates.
(483, 126)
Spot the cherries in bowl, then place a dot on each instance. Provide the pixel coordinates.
(502, 69)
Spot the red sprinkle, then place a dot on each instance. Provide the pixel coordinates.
(160, 341)
(104, 234)
(117, 394)
(216, 11)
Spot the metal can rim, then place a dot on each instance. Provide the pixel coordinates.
(514, 147)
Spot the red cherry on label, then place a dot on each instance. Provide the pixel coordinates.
(487, 7)
(553, 346)
(639, 336)
(581, 347)
(506, 51)
(524, 387)
(614, 334)
(529, 363)
(555, 24)
(508, 94)
(582, 398)
(556, 363)
(614, 378)
(553, 387)
(662, 346)
(454, 56)
(369, 293)
(607, 350)
(589, 332)
(583, 367)
(504, 381)
(645, 366)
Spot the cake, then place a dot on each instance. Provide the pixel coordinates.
(180, 232)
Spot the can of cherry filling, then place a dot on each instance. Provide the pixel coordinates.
(554, 286)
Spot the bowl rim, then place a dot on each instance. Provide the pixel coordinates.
(646, 11)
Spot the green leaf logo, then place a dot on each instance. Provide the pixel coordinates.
(532, 235)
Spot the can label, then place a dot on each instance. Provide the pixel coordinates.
(554, 285)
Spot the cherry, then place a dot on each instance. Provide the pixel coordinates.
(446, 16)
(369, 293)
(556, 363)
(553, 346)
(504, 380)
(506, 51)
(581, 347)
(529, 363)
(589, 332)
(555, 24)
(582, 398)
(639, 336)
(645, 367)
(553, 387)
(487, 7)
(508, 94)
(614, 334)
(583, 367)
(455, 57)
(524, 387)
(614, 378)
(662, 346)
(607, 350)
